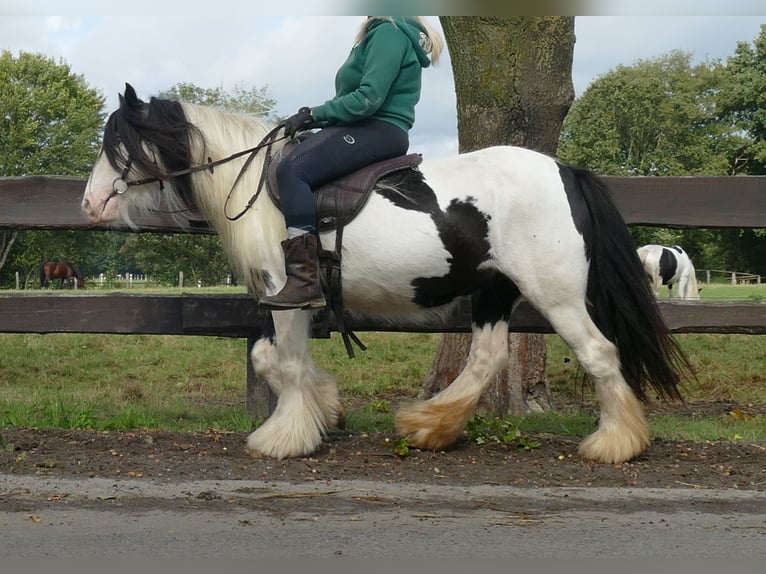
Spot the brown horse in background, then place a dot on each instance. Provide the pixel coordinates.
(63, 270)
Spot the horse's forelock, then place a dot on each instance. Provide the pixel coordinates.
(163, 125)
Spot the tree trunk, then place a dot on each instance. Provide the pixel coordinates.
(513, 80)
(7, 239)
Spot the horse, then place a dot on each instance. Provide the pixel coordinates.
(669, 266)
(67, 273)
(498, 225)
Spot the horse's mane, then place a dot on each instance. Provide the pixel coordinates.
(161, 122)
(184, 136)
(171, 128)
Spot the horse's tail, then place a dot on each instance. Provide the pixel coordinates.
(692, 289)
(621, 302)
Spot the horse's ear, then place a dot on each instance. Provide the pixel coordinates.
(130, 98)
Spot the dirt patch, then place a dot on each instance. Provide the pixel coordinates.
(216, 455)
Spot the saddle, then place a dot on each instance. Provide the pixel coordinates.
(338, 203)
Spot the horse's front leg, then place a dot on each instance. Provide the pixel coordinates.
(308, 402)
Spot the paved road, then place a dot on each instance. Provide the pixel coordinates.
(42, 516)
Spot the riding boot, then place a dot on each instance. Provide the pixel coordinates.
(303, 289)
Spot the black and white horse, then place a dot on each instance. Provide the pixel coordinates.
(669, 266)
(499, 225)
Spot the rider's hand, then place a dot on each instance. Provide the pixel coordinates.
(299, 122)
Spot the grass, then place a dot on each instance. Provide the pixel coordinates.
(196, 383)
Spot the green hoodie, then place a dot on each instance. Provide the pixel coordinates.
(380, 79)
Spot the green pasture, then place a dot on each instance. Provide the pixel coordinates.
(198, 383)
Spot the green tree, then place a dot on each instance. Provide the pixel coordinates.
(239, 99)
(743, 102)
(50, 120)
(162, 257)
(660, 117)
(200, 257)
(91, 252)
(657, 117)
(50, 124)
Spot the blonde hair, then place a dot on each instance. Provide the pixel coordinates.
(431, 40)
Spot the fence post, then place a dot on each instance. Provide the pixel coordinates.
(733, 278)
(180, 278)
(18, 281)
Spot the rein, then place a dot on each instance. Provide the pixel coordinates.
(121, 184)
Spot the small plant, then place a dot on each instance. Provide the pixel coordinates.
(400, 447)
(381, 406)
(481, 430)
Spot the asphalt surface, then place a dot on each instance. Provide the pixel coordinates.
(53, 517)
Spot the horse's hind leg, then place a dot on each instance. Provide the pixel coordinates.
(308, 402)
(623, 432)
(439, 421)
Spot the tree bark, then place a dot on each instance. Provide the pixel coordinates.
(7, 239)
(513, 81)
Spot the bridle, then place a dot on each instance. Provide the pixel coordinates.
(122, 184)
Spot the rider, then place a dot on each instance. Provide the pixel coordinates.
(367, 121)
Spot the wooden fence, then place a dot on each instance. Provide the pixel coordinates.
(52, 202)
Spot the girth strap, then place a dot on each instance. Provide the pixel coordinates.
(330, 267)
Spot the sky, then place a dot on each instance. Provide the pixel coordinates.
(296, 57)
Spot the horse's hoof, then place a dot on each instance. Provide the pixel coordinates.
(255, 454)
(612, 449)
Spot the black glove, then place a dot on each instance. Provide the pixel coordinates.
(299, 122)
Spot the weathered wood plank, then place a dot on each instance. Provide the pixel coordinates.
(698, 201)
(736, 317)
(114, 313)
(239, 316)
(53, 202)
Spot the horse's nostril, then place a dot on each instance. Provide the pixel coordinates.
(85, 204)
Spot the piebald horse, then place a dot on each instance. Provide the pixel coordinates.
(669, 266)
(497, 225)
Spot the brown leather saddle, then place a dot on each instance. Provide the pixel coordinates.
(338, 203)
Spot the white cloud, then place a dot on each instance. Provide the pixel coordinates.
(297, 57)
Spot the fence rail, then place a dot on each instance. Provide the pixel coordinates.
(52, 202)
(733, 277)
